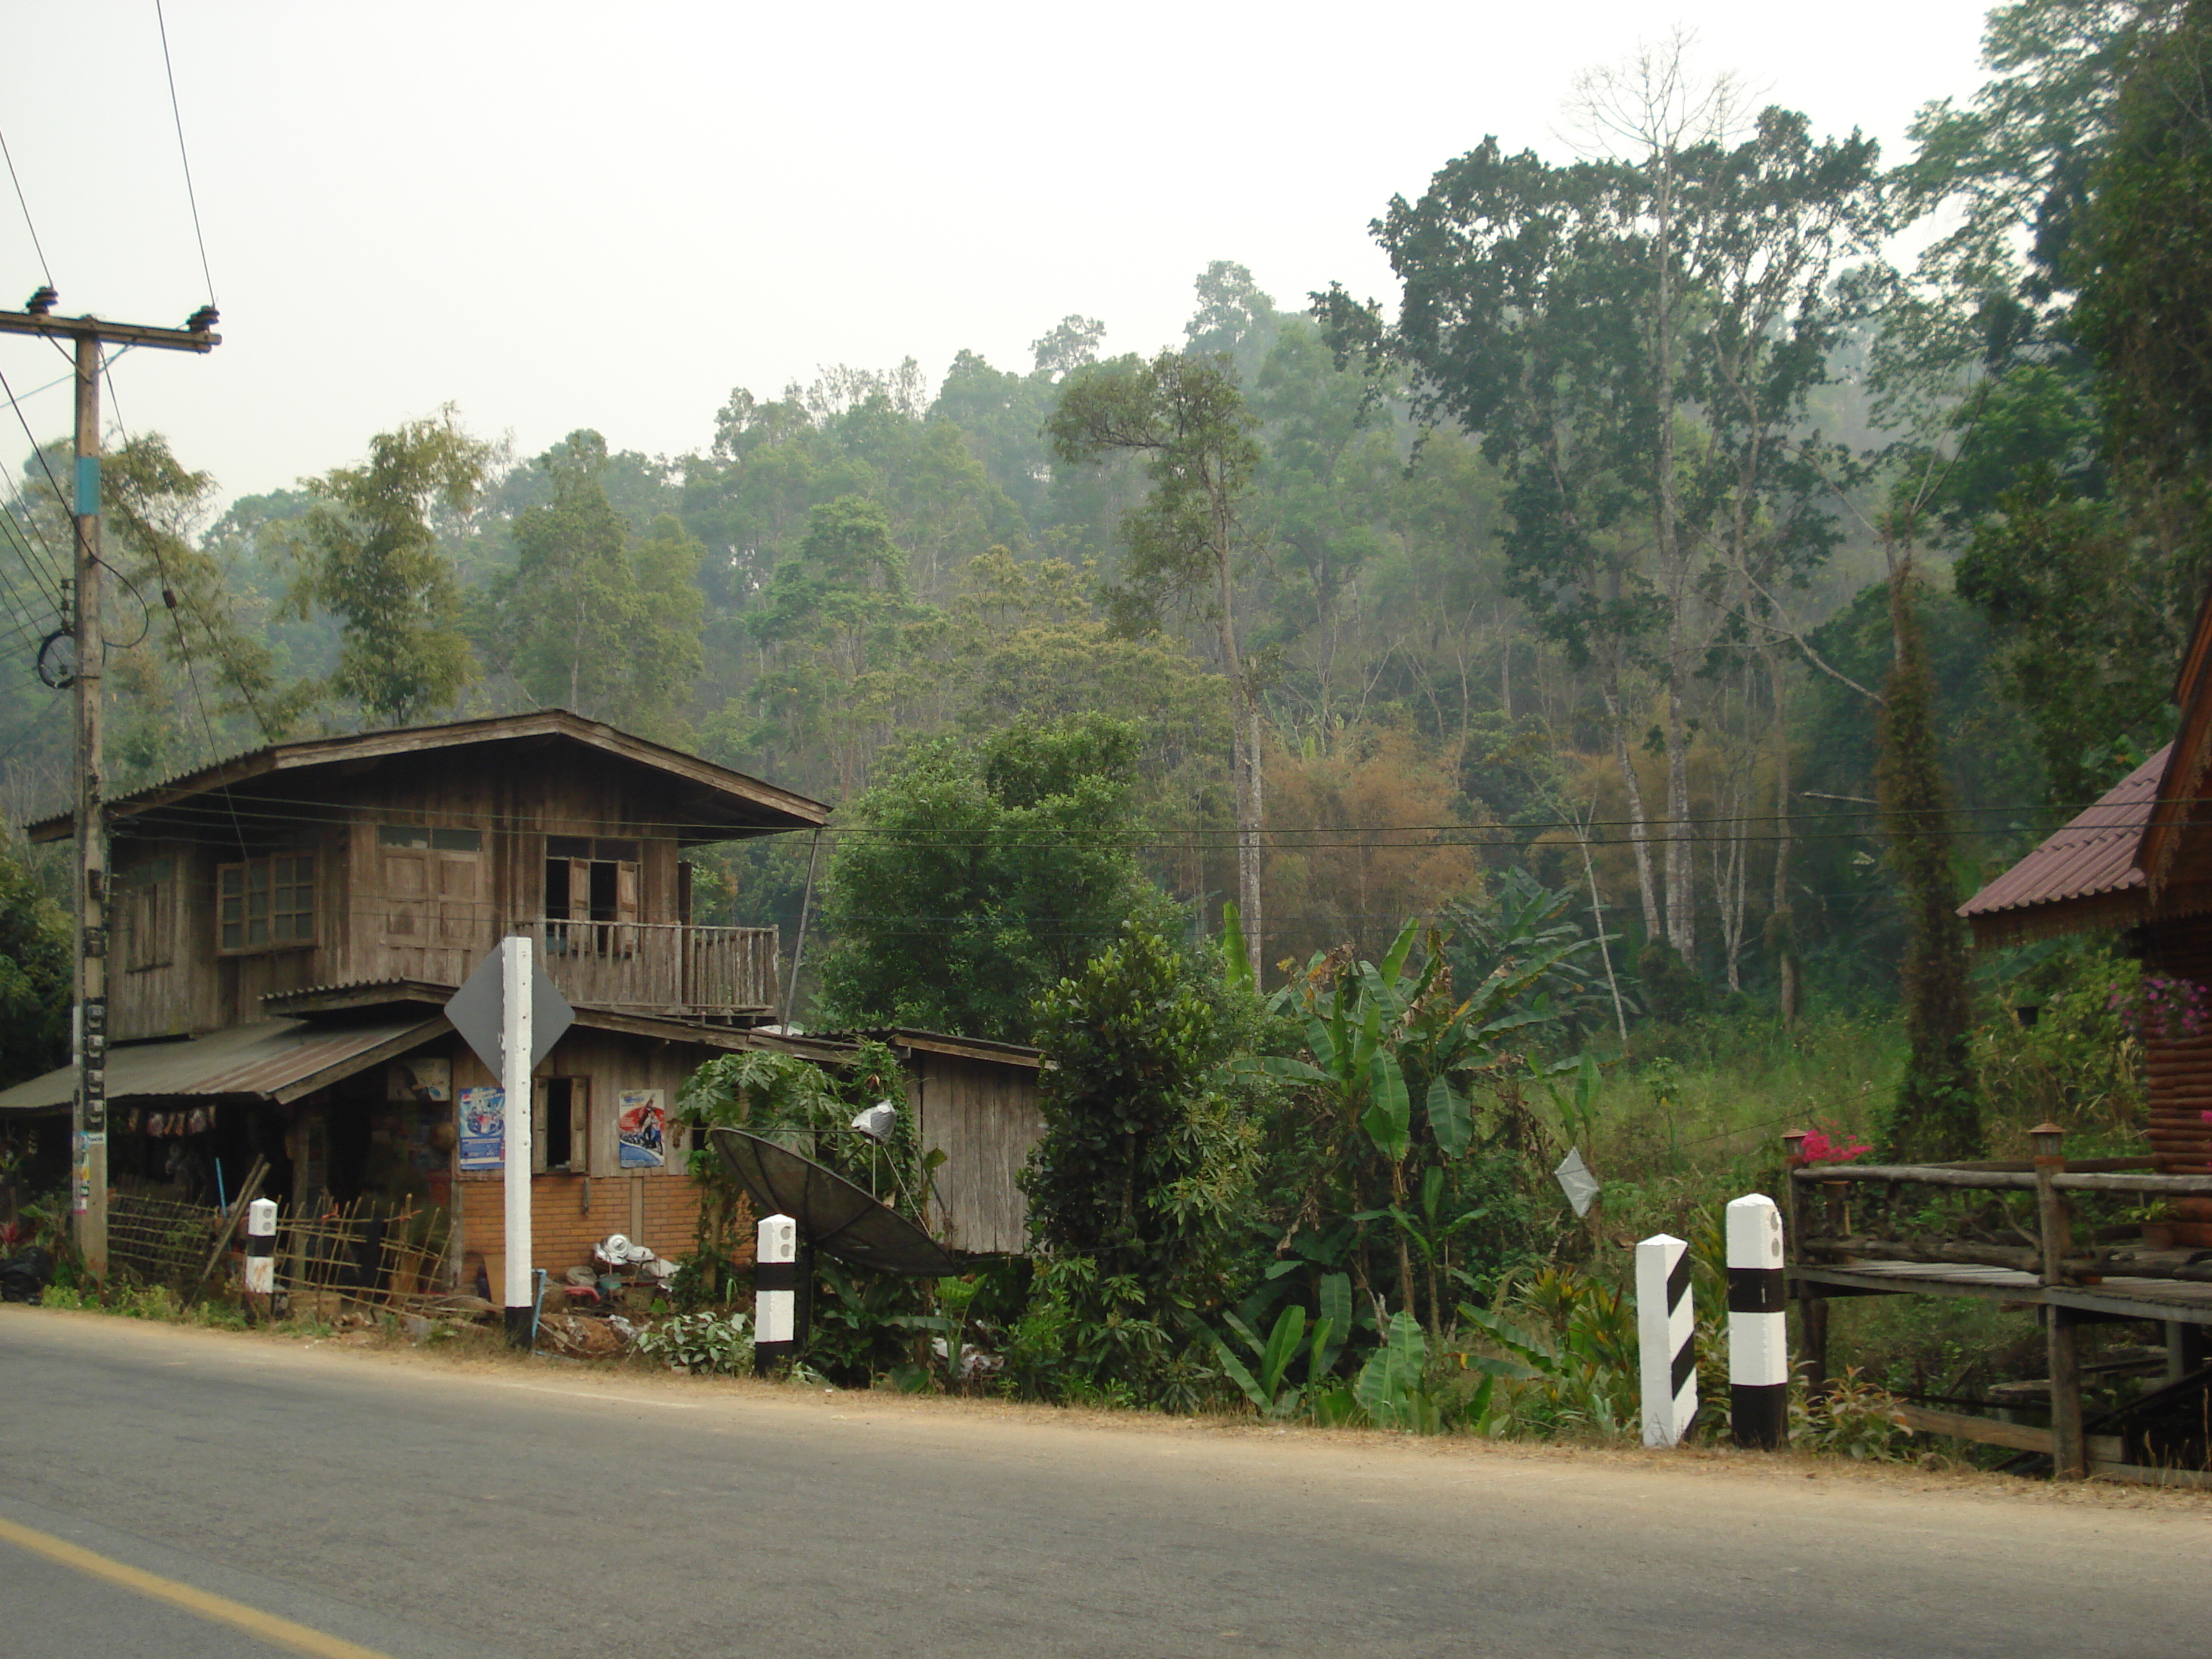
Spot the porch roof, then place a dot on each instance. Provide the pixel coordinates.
(275, 1059)
(2086, 875)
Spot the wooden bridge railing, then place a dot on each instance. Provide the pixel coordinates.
(2053, 1259)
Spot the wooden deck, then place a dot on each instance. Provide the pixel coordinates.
(2112, 1298)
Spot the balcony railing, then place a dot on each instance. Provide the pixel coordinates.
(660, 966)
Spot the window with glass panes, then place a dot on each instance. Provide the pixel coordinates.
(266, 903)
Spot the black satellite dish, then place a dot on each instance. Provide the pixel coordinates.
(834, 1216)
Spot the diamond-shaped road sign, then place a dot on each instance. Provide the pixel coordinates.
(478, 1010)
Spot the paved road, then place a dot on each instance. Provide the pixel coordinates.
(419, 1509)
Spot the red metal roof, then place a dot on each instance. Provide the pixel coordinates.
(2094, 857)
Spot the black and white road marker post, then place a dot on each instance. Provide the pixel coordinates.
(1759, 1338)
(1665, 1337)
(778, 1314)
(261, 1254)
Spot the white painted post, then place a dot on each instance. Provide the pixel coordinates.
(261, 1254)
(1665, 1337)
(1759, 1338)
(776, 1292)
(516, 969)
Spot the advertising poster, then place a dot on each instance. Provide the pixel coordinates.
(428, 1082)
(483, 1129)
(642, 1129)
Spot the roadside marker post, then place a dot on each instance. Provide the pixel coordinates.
(1758, 1339)
(778, 1316)
(261, 1254)
(1665, 1337)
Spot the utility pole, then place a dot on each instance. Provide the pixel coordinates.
(89, 1113)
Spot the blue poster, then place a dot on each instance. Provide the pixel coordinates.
(483, 1129)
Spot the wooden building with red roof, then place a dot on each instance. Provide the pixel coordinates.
(2139, 862)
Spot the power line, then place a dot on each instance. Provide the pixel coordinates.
(26, 206)
(190, 195)
(1711, 830)
(61, 496)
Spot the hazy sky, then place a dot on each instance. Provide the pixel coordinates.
(558, 215)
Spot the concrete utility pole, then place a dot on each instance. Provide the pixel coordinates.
(89, 1116)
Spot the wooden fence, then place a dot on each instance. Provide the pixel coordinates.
(363, 1252)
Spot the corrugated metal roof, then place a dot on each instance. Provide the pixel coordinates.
(277, 1060)
(739, 801)
(2093, 856)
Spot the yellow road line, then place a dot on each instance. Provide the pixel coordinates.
(282, 1632)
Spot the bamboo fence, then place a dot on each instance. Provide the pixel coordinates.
(362, 1252)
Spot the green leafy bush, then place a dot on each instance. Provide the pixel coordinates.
(705, 1343)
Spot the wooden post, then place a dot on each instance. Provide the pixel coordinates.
(2069, 1458)
(89, 1129)
(2185, 1349)
(88, 1107)
(1812, 1311)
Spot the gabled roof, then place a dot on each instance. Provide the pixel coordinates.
(2086, 875)
(706, 802)
(2183, 785)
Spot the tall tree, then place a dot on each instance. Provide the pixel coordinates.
(604, 625)
(981, 874)
(367, 554)
(1634, 337)
(1935, 1114)
(1188, 542)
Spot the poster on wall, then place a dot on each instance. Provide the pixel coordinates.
(642, 1129)
(427, 1081)
(483, 1129)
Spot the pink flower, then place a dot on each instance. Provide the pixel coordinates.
(1841, 1146)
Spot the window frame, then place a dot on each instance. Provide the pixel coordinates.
(305, 923)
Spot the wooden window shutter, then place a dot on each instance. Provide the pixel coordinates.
(583, 1153)
(409, 895)
(459, 877)
(580, 890)
(626, 884)
(538, 1105)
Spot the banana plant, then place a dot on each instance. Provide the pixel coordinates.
(1392, 1386)
(1370, 1025)
(1265, 1388)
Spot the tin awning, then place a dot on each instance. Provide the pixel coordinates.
(2085, 876)
(277, 1060)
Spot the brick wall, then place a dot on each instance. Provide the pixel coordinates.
(655, 1209)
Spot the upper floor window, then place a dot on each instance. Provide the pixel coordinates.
(266, 903)
(591, 880)
(432, 885)
(146, 913)
(425, 838)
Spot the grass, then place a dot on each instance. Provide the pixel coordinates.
(1693, 1115)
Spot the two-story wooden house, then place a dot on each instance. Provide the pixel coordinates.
(288, 924)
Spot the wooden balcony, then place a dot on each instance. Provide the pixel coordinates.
(660, 967)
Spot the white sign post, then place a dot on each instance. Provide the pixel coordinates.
(1759, 1337)
(1665, 1337)
(511, 1015)
(515, 974)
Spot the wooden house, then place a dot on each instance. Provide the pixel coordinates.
(289, 922)
(2139, 863)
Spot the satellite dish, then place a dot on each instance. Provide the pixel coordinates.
(834, 1216)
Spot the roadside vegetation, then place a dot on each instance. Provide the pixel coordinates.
(1377, 748)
